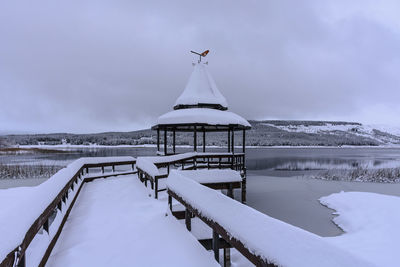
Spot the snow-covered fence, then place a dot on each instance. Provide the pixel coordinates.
(149, 167)
(32, 217)
(263, 240)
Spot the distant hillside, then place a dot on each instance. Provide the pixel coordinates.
(263, 133)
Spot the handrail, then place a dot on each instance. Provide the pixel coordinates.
(17, 256)
(218, 229)
(235, 162)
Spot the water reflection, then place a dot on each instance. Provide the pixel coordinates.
(257, 158)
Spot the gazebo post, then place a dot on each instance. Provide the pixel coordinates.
(165, 142)
(244, 141)
(195, 139)
(233, 141)
(158, 139)
(173, 140)
(229, 140)
(204, 140)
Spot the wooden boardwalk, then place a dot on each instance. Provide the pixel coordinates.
(115, 223)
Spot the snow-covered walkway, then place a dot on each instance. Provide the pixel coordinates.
(115, 223)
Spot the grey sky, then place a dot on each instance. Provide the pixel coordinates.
(90, 66)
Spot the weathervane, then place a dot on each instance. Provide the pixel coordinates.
(201, 54)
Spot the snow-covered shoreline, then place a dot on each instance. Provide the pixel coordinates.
(68, 146)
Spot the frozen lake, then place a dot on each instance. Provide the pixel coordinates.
(277, 177)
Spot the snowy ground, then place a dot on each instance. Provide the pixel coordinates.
(295, 200)
(371, 222)
(115, 223)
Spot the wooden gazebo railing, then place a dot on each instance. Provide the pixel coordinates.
(193, 161)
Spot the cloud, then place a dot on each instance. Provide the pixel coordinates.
(88, 66)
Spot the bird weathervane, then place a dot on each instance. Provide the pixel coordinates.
(201, 54)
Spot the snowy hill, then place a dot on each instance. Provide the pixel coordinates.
(263, 133)
(336, 133)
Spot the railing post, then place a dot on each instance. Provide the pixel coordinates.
(87, 170)
(230, 191)
(170, 202)
(156, 187)
(102, 169)
(113, 168)
(215, 245)
(227, 257)
(188, 221)
(244, 190)
(21, 261)
(46, 225)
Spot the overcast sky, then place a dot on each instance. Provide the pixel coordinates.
(92, 66)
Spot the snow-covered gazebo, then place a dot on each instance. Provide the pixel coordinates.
(201, 108)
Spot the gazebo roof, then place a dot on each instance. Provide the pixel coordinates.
(205, 118)
(201, 106)
(201, 91)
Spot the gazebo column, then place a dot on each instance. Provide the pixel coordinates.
(173, 140)
(229, 140)
(195, 139)
(233, 141)
(204, 140)
(244, 141)
(158, 139)
(165, 142)
(244, 180)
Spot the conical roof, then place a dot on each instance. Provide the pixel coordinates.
(201, 91)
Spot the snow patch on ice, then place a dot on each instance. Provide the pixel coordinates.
(371, 224)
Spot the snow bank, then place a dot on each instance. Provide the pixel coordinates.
(212, 176)
(371, 222)
(279, 242)
(21, 206)
(202, 116)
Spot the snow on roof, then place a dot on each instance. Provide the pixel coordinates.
(202, 116)
(277, 241)
(201, 89)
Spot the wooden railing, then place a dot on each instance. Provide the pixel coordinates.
(221, 237)
(17, 257)
(195, 161)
